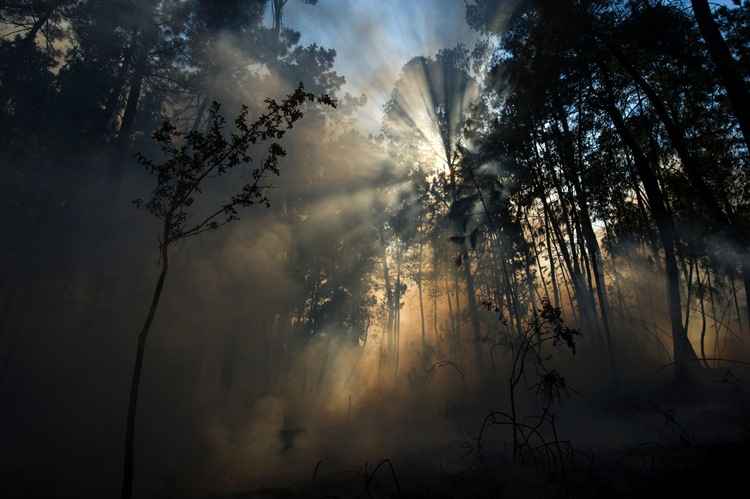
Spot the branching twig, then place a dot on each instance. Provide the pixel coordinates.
(371, 477)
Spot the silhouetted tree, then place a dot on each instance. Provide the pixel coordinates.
(191, 160)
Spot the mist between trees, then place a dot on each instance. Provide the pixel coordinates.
(552, 220)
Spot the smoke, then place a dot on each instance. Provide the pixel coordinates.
(245, 385)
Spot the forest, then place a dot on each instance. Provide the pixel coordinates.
(374, 248)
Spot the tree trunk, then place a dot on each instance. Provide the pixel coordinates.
(39, 24)
(552, 270)
(112, 106)
(571, 266)
(715, 318)
(421, 301)
(702, 291)
(597, 264)
(457, 292)
(199, 114)
(134, 96)
(473, 312)
(731, 78)
(683, 350)
(388, 294)
(434, 311)
(694, 171)
(397, 310)
(451, 314)
(128, 466)
(589, 243)
(570, 255)
(746, 282)
(689, 291)
(25, 47)
(566, 281)
(277, 8)
(732, 284)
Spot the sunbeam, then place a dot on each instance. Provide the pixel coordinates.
(357, 248)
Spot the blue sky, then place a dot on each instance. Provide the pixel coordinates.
(374, 38)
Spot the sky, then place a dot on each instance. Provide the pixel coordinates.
(375, 38)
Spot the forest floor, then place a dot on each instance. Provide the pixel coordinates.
(694, 443)
(696, 471)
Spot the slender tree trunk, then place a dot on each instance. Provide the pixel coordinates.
(531, 289)
(586, 264)
(566, 283)
(277, 7)
(134, 97)
(729, 73)
(571, 265)
(434, 312)
(537, 260)
(473, 312)
(590, 253)
(388, 294)
(454, 329)
(683, 350)
(734, 298)
(421, 300)
(560, 255)
(715, 317)
(552, 269)
(597, 265)
(746, 282)
(397, 313)
(694, 171)
(500, 294)
(128, 466)
(570, 255)
(618, 286)
(457, 291)
(199, 114)
(689, 291)
(112, 106)
(702, 292)
(30, 37)
(511, 303)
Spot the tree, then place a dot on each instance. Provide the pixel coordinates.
(609, 114)
(192, 159)
(728, 69)
(277, 8)
(735, 84)
(27, 56)
(425, 117)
